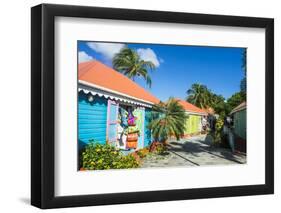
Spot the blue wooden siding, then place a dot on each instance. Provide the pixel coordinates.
(147, 132)
(92, 119)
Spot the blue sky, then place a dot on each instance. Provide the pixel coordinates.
(178, 67)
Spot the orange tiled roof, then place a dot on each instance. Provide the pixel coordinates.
(191, 108)
(96, 73)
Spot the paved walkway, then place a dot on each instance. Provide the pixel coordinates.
(195, 151)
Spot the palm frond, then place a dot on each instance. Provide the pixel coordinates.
(170, 121)
(128, 62)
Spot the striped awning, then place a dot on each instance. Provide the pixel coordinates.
(112, 96)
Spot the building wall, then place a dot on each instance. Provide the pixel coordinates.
(240, 123)
(192, 124)
(147, 132)
(139, 113)
(92, 119)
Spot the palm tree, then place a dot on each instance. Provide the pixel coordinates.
(128, 62)
(199, 95)
(168, 120)
(218, 104)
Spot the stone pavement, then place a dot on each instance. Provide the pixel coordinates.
(195, 151)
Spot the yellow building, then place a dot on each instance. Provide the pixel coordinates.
(194, 124)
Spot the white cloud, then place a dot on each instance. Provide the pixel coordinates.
(148, 55)
(83, 57)
(106, 49)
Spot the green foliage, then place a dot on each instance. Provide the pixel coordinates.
(243, 84)
(143, 152)
(199, 95)
(157, 148)
(218, 132)
(131, 129)
(203, 97)
(219, 105)
(168, 120)
(128, 62)
(99, 157)
(127, 162)
(235, 100)
(160, 149)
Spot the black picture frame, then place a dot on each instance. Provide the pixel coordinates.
(43, 102)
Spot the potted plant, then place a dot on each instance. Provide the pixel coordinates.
(132, 137)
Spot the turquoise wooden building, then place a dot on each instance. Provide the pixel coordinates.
(105, 100)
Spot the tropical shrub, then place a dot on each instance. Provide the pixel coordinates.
(143, 152)
(99, 157)
(127, 162)
(158, 148)
(201, 96)
(235, 100)
(218, 133)
(161, 149)
(168, 120)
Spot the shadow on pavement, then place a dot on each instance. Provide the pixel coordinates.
(195, 146)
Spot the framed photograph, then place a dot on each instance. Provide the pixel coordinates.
(136, 106)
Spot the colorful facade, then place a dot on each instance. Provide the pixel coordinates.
(194, 123)
(112, 109)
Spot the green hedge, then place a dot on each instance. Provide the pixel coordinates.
(99, 157)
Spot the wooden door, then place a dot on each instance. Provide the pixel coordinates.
(112, 122)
